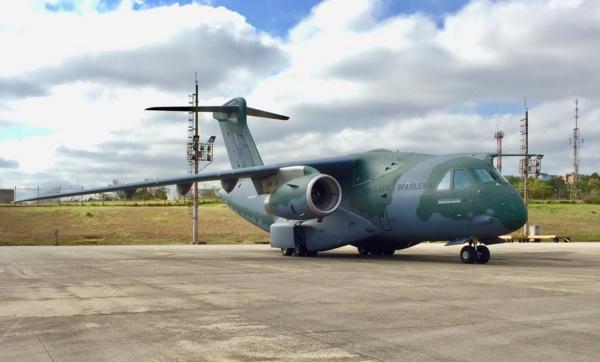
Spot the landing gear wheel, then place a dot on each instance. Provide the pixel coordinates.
(287, 251)
(363, 251)
(483, 254)
(468, 254)
(312, 253)
(376, 252)
(299, 251)
(388, 252)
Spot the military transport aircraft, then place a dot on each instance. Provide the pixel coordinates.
(378, 201)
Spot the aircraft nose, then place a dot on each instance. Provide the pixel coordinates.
(514, 212)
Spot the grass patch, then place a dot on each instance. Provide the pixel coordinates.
(115, 225)
(579, 221)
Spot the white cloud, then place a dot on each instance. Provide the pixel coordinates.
(350, 79)
(399, 82)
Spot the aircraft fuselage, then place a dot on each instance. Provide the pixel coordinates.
(407, 198)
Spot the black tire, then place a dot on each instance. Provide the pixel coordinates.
(362, 250)
(389, 252)
(312, 253)
(287, 251)
(468, 254)
(376, 251)
(299, 251)
(483, 254)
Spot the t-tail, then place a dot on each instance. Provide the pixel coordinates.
(232, 117)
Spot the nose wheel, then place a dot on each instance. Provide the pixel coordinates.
(472, 254)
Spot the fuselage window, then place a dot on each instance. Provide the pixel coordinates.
(461, 180)
(445, 183)
(482, 175)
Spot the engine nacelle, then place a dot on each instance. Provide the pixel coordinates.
(307, 197)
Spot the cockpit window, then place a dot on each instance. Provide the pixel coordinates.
(482, 175)
(445, 183)
(500, 177)
(461, 180)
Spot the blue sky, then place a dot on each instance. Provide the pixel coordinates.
(278, 16)
(15, 132)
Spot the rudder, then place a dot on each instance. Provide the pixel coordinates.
(238, 140)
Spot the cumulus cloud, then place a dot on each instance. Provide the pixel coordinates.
(8, 163)
(16, 88)
(350, 76)
(228, 54)
(406, 83)
(225, 60)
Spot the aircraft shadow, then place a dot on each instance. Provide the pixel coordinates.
(553, 259)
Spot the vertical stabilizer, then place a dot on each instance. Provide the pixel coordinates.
(240, 146)
(232, 117)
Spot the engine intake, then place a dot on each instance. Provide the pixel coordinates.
(306, 197)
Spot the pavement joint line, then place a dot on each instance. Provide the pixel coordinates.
(45, 348)
(163, 311)
(454, 324)
(170, 297)
(12, 328)
(307, 335)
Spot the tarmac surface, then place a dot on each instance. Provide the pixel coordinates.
(532, 302)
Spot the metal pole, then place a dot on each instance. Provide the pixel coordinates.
(526, 171)
(575, 184)
(196, 163)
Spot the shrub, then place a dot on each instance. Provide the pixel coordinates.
(592, 198)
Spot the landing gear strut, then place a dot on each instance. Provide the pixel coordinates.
(474, 253)
(299, 248)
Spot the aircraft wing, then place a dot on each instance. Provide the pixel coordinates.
(228, 177)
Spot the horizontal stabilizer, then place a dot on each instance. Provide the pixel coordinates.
(221, 109)
(264, 114)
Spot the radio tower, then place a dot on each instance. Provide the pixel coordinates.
(576, 142)
(498, 136)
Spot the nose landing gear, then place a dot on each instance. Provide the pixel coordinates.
(473, 253)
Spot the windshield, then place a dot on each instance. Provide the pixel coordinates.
(500, 177)
(482, 175)
(461, 180)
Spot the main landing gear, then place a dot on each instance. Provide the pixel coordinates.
(473, 253)
(364, 251)
(299, 248)
(297, 252)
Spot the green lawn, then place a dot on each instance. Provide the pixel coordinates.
(35, 225)
(579, 221)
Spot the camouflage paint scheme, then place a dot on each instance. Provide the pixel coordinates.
(389, 200)
(394, 194)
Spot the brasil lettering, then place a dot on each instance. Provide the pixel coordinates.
(410, 186)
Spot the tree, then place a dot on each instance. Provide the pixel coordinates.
(558, 186)
(539, 189)
(146, 193)
(593, 184)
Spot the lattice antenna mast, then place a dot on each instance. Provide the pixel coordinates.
(525, 160)
(499, 135)
(576, 143)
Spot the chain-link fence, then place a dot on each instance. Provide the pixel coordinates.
(168, 198)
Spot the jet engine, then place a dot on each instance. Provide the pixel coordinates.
(307, 197)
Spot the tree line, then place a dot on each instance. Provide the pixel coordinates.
(557, 189)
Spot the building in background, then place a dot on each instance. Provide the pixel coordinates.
(7, 196)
